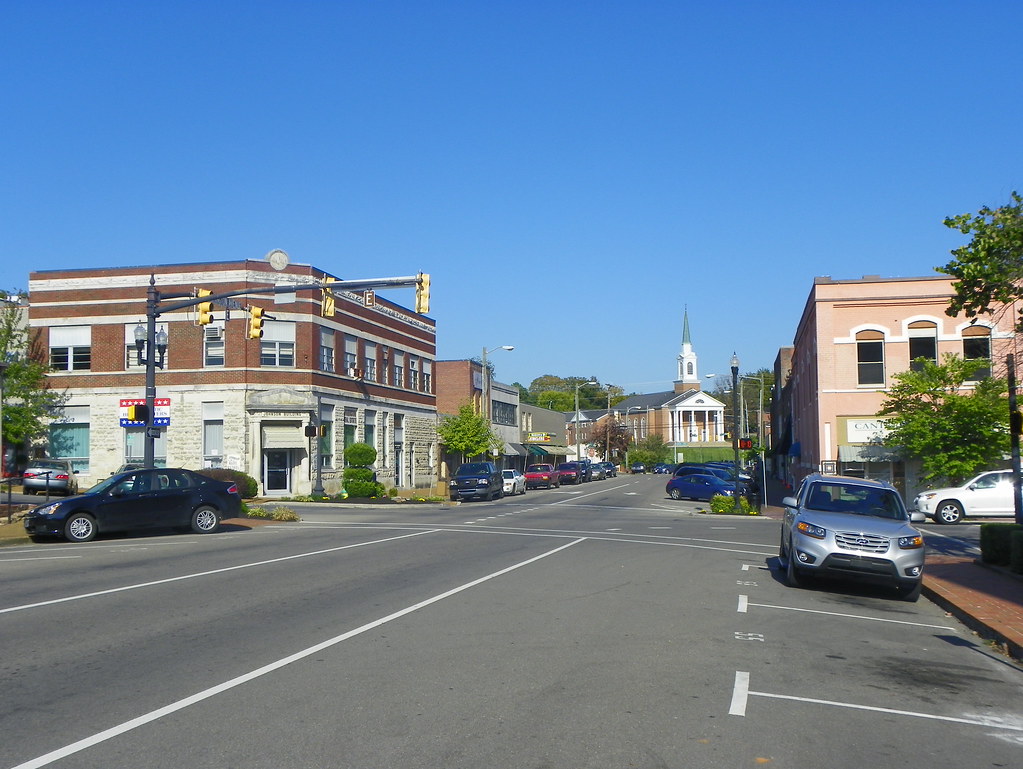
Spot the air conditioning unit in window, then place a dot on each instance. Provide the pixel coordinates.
(355, 373)
(215, 333)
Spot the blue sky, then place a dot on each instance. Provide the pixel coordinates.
(572, 174)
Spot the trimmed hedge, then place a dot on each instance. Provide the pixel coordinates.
(996, 542)
(248, 487)
(1016, 551)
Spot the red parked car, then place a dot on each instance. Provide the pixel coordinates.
(545, 476)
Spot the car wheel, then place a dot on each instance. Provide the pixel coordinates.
(910, 591)
(781, 547)
(948, 511)
(793, 575)
(80, 528)
(675, 494)
(205, 520)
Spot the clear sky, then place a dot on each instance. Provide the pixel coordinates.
(573, 175)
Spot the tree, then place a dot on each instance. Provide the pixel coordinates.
(28, 398)
(989, 269)
(467, 433)
(613, 434)
(556, 400)
(651, 450)
(952, 432)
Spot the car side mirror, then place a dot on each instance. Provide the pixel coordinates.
(917, 517)
(789, 502)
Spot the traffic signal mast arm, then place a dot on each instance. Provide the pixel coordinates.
(290, 288)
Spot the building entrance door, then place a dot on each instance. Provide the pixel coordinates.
(277, 471)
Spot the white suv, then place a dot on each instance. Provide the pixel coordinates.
(989, 494)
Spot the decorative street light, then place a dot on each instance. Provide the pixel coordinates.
(735, 428)
(581, 384)
(3, 454)
(636, 439)
(486, 378)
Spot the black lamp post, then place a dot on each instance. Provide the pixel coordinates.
(735, 428)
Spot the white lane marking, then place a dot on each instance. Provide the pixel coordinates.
(851, 616)
(591, 494)
(88, 742)
(659, 528)
(748, 566)
(743, 603)
(204, 573)
(993, 723)
(740, 693)
(39, 558)
(971, 547)
(723, 528)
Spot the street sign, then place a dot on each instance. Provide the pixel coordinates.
(161, 411)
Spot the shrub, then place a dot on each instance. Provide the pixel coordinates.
(996, 543)
(357, 488)
(257, 512)
(360, 455)
(285, 514)
(248, 486)
(1016, 551)
(359, 474)
(724, 505)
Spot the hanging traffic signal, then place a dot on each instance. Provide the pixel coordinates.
(205, 308)
(327, 299)
(423, 294)
(255, 322)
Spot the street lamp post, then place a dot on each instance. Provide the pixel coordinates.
(3, 454)
(735, 428)
(153, 343)
(577, 448)
(607, 428)
(630, 408)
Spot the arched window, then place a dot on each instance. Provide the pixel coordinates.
(870, 357)
(689, 368)
(923, 342)
(977, 347)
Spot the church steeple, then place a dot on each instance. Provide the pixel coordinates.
(688, 372)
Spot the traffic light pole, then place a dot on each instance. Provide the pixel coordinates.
(153, 311)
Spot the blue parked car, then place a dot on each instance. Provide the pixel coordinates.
(701, 487)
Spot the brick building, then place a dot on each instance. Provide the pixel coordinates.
(363, 373)
(852, 338)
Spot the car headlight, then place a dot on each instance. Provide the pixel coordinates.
(810, 530)
(911, 543)
(482, 482)
(48, 509)
(453, 484)
(926, 495)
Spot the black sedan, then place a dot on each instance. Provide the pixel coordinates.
(138, 499)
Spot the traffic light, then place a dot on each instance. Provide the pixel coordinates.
(205, 308)
(327, 299)
(423, 294)
(138, 413)
(255, 322)
(745, 443)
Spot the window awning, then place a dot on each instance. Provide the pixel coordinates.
(289, 436)
(515, 449)
(546, 449)
(866, 453)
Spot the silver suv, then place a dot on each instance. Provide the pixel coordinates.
(989, 494)
(851, 528)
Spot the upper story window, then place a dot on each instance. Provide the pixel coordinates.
(413, 372)
(977, 347)
(351, 354)
(399, 369)
(870, 358)
(213, 345)
(71, 348)
(369, 359)
(427, 376)
(326, 349)
(277, 347)
(923, 343)
(503, 413)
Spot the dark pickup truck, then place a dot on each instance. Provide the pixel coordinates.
(476, 480)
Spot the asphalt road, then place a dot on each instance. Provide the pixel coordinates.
(603, 625)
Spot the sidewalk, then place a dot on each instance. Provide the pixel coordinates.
(986, 599)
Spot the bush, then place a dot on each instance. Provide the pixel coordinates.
(359, 474)
(248, 486)
(996, 542)
(1016, 552)
(356, 488)
(724, 505)
(360, 455)
(285, 514)
(257, 512)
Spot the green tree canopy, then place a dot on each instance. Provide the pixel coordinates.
(989, 269)
(613, 434)
(953, 432)
(28, 398)
(467, 433)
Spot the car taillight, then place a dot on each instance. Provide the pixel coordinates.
(61, 477)
(232, 489)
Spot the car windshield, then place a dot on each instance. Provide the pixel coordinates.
(508, 473)
(476, 468)
(567, 466)
(106, 484)
(539, 469)
(855, 499)
(46, 465)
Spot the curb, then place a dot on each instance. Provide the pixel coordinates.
(979, 626)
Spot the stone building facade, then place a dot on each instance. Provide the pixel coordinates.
(281, 408)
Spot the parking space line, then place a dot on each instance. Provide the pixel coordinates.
(743, 604)
(990, 723)
(852, 616)
(740, 694)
